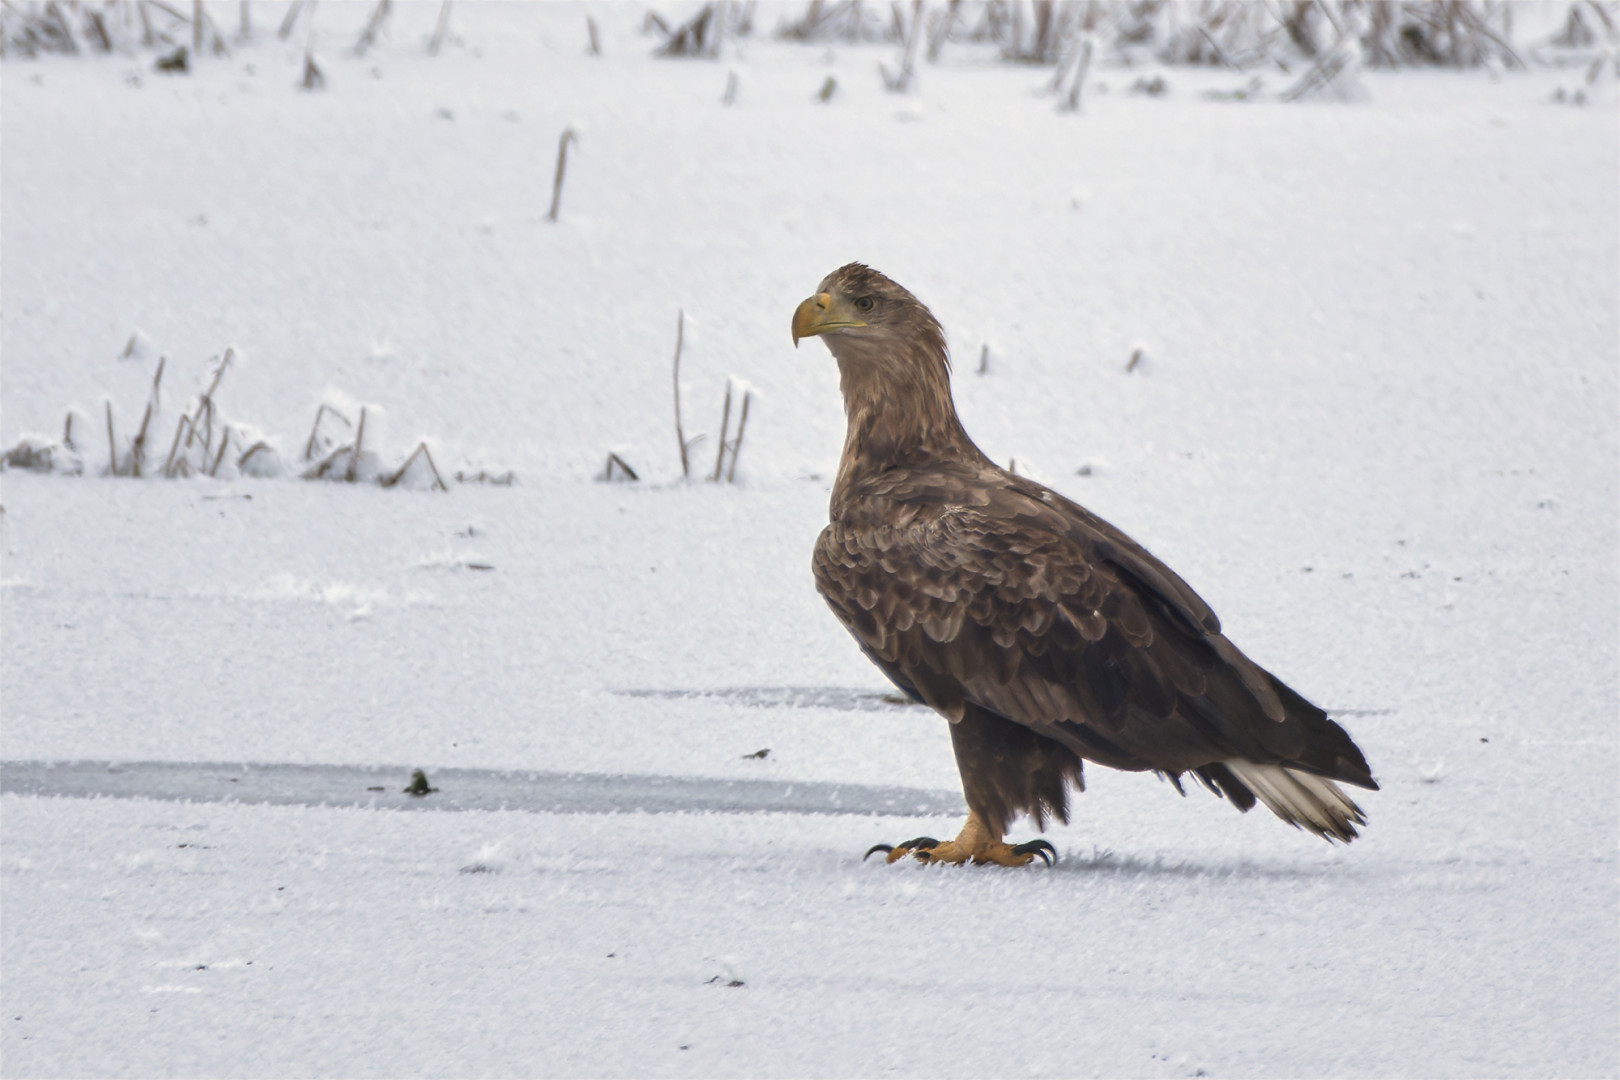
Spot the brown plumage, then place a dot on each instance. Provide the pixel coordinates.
(1044, 634)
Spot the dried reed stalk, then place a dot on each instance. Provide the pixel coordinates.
(395, 477)
(374, 26)
(680, 433)
(736, 444)
(567, 137)
(725, 423)
(441, 31)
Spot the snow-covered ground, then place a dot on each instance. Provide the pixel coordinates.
(1374, 422)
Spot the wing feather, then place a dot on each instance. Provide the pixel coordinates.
(1041, 613)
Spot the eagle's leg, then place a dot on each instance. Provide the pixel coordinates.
(975, 843)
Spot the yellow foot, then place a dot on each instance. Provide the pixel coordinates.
(975, 843)
(927, 849)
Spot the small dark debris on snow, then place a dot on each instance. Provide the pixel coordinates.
(761, 754)
(177, 62)
(418, 786)
(378, 787)
(732, 983)
(1136, 358)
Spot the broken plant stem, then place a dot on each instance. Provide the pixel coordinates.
(354, 457)
(137, 449)
(368, 37)
(224, 442)
(314, 431)
(725, 423)
(615, 461)
(567, 137)
(174, 447)
(112, 447)
(736, 444)
(395, 477)
(680, 434)
(440, 31)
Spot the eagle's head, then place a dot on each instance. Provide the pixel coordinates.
(861, 311)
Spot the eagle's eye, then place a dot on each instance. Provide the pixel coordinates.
(863, 304)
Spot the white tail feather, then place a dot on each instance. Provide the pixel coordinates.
(1300, 798)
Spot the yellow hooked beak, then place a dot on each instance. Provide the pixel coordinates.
(821, 314)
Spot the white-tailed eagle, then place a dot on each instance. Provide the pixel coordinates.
(1045, 636)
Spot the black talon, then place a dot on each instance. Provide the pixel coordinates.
(1046, 851)
(874, 849)
(922, 842)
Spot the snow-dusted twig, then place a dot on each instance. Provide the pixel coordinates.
(680, 433)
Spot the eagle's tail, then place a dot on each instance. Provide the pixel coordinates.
(1302, 799)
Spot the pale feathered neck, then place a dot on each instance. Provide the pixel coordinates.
(897, 397)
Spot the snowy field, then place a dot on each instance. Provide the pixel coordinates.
(1373, 421)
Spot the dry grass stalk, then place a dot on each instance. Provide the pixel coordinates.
(314, 78)
(940, 30)
(224, 443)
(731, 89)
(137, 448)
(321, 412)
(567, 137)
(909, 33)
(374, 26)
(290, 20)
(595, 38)
(1082, 66)
(327, 464)
(97, 28)
(422, 451)
(354, 455)
(174, 447)
(112, 446)
(440, 31)
(733, 445)
(257, 447)
(680, 433)
(736, 444)
(615, 462)
(694, 37)
(845, 20)
(725, 423)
